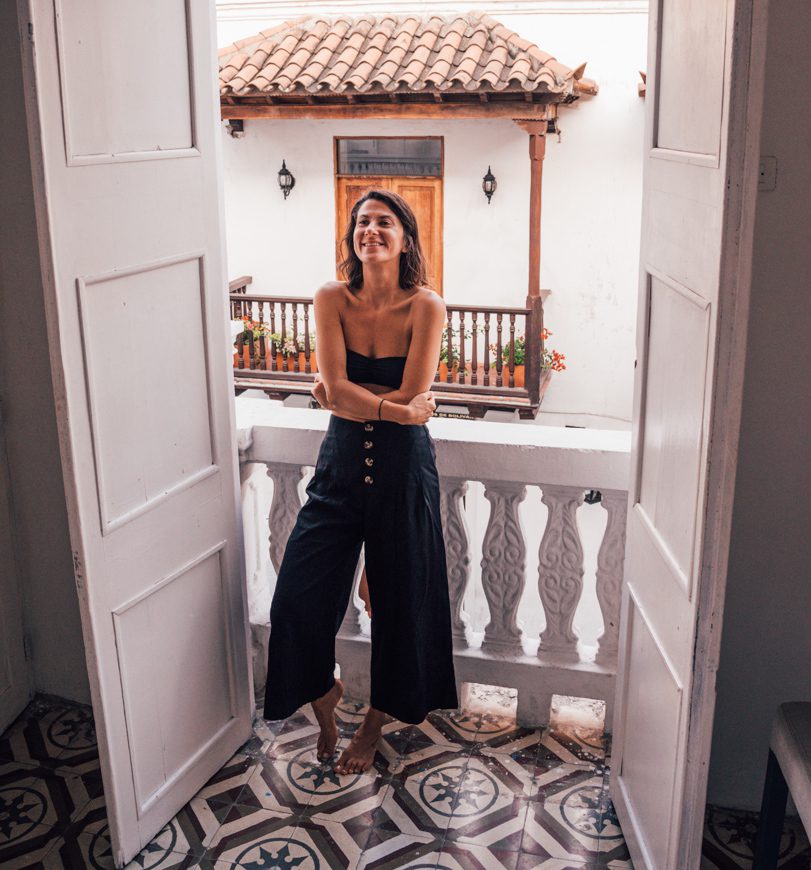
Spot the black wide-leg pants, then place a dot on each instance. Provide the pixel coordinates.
(375, 484)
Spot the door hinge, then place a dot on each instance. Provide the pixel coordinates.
(28, 650)
(77, 570)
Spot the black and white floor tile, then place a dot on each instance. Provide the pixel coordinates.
(460, 791)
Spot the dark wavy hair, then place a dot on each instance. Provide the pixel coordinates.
(413, 268)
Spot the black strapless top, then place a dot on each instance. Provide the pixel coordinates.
(385, 370)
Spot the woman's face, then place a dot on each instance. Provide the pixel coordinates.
(379, 235)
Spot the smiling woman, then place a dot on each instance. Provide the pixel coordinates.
(375, 484)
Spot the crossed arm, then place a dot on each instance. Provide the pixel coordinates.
(411, 403)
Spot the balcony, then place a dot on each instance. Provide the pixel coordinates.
(491, 357)
(535, 555)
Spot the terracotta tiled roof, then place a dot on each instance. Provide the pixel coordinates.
(386, 54)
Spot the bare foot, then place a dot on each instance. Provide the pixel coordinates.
(324, 709)
(360, 753)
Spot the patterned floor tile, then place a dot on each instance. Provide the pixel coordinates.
(227, 784)
(513, 739)
(87, 844)
(491, 805)
(402, 852)
(729, 838)
(300, 785)
(387, 756)
(534, 862)
(36, 806)
(556, 749)
(568, 815)
(425, 793)
(455, 726)
(51, 735)
(576, 745)
(278, 841)
(465, 856)
(300, 731)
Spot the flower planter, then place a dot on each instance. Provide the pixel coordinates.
(291, 362)
(246, 356)
(443, 373)
(518, 375)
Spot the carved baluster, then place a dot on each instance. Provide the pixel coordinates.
(263, 362)
(610, 562)
(487, 348)
(295, 337)
(273, 347)
(503, 567)
(511, 360)
(461, 347)
(560, 572)
(350, 626)
(284, 508)
(457, 549)
(449, 348)
(499, 351)
(307, 367)
(474, 361)
(283, 307)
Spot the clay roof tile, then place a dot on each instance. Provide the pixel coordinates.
(379, 53)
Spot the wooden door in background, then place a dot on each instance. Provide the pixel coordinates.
(424, 195)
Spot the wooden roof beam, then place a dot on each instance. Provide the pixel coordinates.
(432, 111)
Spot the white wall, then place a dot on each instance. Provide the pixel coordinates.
(51, 611)
(766, 642)
(591, 200)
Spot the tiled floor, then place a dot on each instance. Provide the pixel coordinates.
(458, 791)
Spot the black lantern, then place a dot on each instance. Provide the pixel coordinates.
(286, 180)
(489, 185)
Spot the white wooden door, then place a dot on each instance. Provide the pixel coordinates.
(130, 223)
(15, 675)
(703, 110)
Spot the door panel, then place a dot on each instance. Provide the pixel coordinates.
(698, 202)
(424, 195)
(347, 192)
(129, 211)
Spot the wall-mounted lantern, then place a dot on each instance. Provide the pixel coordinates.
(286, 180)
(489, 185)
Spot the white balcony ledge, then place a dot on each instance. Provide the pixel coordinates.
(477, 460)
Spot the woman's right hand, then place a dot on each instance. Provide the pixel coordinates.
(422, 408)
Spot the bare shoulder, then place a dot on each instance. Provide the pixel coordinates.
(428, 303)
(332, 293)
(331, 290)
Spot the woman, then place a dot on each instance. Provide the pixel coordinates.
(376, 484)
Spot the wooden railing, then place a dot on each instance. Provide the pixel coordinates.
(490, 356)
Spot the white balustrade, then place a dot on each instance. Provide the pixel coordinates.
(560, 572)
(457, 551)
(509, 460)
(504, 556)
(610, 563)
